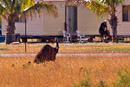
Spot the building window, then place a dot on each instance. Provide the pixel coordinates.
(125, 13)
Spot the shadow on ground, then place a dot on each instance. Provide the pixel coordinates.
(3, 49)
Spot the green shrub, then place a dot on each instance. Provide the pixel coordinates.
(124, 79)
(84, 83)
(102, 84)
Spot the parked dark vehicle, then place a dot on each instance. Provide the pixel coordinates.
(2, 38)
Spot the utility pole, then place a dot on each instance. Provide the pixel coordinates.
(25, 35)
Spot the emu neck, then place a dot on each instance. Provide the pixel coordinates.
(57, 45)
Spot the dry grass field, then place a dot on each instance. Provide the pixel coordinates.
(17, 71)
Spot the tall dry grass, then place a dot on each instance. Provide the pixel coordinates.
(66, 70)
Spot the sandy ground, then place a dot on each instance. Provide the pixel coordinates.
(74, 54)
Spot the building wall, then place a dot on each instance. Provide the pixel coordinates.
(34, 26)
(4, 26)
(88, 22)
(54, 25)
(123, 28)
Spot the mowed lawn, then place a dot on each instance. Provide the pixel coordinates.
(67, 48)
(20, 71)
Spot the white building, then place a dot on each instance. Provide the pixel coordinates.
(78, 18)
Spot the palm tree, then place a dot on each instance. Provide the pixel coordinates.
(103, 7)
(12, 9)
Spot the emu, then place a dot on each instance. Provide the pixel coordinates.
(47, 53)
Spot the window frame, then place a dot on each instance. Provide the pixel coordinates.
(125, 14)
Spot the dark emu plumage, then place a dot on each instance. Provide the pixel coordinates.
(47, 53)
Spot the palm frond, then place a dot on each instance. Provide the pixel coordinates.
(112, 2)
(3, 11)
(98, 8)
(4, 2)
(18, 6)
(26, 4)
(76, 2)
(39, 7)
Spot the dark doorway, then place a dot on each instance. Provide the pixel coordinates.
(71, 19)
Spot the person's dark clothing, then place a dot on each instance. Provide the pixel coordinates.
(102, 28)
(104, 32)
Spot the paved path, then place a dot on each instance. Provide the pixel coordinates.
(76, 54)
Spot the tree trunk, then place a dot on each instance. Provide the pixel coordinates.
(113, 23)
(10, 38)
(10, 35)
